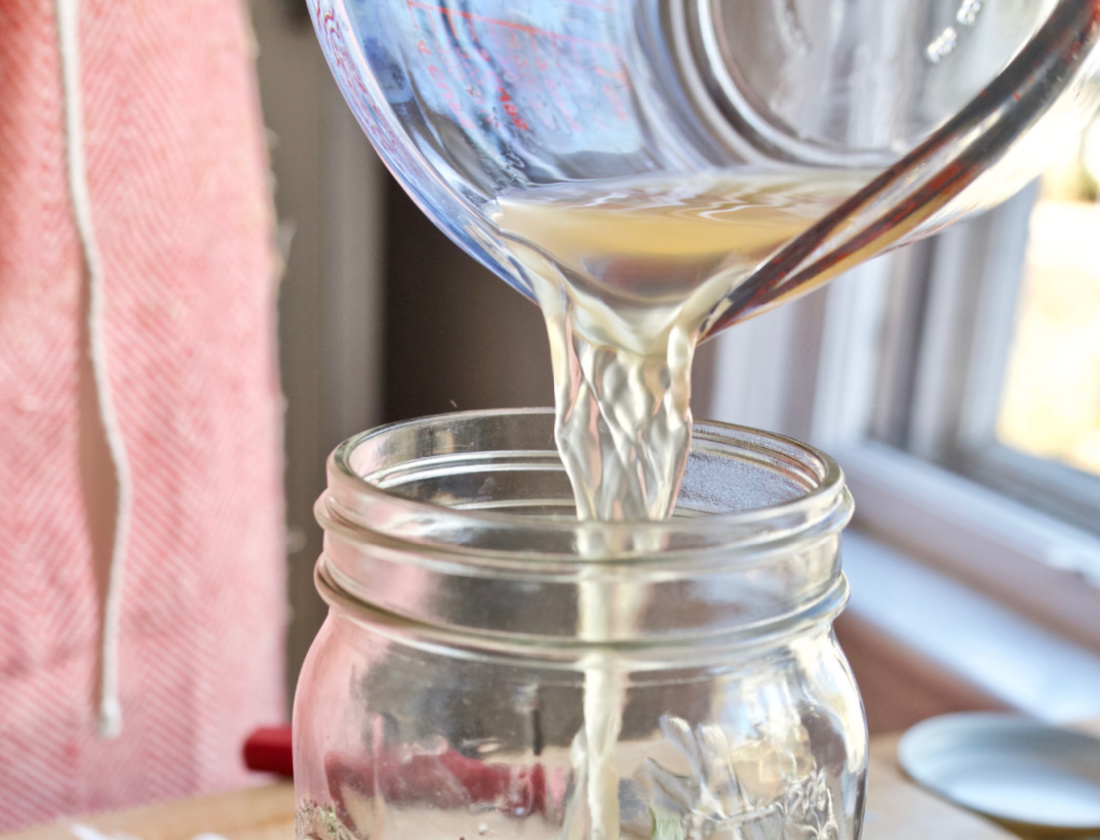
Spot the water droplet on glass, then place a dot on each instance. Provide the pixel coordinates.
(942, 46)
(968, 12)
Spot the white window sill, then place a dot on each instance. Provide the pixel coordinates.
(979, 641)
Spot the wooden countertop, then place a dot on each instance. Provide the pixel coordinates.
(896, 810)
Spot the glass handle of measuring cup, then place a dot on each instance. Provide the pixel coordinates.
(980, 156)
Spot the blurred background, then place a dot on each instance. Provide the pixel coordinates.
(956, 381)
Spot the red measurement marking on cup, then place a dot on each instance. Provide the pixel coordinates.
(559, 74)
(508, 24)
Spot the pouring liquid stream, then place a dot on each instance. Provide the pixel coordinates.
(627, 272)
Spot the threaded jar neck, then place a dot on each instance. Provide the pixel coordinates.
(465, 523)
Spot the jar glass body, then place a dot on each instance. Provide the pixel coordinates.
(454, 689)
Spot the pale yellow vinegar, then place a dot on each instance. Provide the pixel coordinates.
(626, 272)
(660, 241)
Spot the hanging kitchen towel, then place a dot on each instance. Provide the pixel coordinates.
(140, 413)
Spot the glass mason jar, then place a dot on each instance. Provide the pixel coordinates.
(491, 667)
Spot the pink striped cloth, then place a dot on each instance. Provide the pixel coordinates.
(180, 202)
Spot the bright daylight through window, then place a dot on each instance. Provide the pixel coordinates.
(1050, 406)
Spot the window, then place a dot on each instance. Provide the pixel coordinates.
(957, 381)
(993, 354)
(966, 394)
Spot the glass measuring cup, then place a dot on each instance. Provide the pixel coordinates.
(945, 106)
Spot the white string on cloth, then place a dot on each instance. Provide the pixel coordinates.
(108, 707)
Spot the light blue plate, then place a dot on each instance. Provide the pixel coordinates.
(1023, 774)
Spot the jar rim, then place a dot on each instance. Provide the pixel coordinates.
(356, 501)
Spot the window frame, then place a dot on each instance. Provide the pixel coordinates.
(1039, 565)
